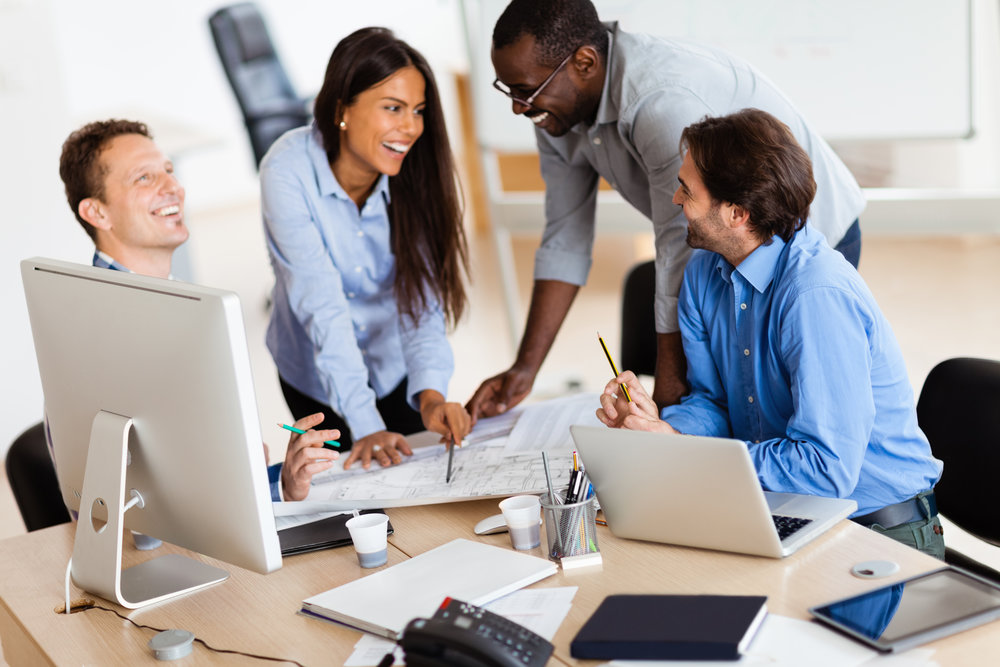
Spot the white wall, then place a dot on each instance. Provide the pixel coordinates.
(65, 62)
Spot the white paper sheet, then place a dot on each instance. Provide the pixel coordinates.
(540, 610)
(545, 426)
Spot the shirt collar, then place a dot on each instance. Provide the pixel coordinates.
(103, 260)
(325, 180)
(760, 266)
(607, 108)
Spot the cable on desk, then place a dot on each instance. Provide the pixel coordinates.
(90, 604)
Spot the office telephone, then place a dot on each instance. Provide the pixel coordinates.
(462, 634)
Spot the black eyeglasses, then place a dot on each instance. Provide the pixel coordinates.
(529, 101)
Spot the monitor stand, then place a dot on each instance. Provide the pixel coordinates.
(97, 550)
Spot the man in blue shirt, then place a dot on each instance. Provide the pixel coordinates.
(786, 347)
(124, 194)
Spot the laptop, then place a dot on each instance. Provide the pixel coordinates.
(698, 492)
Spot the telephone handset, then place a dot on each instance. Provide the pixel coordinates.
(463, 634)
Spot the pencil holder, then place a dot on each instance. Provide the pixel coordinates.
(570, 529)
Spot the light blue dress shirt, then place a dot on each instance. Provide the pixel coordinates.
(335, 333)
(790, 352)
(653, 89)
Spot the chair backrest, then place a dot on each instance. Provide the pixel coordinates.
(263, 90)
(959, 411)
(638, 321)
(32, 478)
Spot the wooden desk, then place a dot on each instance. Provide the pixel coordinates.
(256, 613)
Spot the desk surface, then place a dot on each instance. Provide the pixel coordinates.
(256, 613)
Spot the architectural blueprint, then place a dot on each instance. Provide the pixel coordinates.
(484, 469)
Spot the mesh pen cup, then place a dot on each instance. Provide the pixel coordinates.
(570, 529)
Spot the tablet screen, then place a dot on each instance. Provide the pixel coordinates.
(916, 610)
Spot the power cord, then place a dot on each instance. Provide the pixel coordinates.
(85, 604)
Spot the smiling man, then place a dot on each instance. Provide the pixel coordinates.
(123, 192)
(612, 104)
(787, 348)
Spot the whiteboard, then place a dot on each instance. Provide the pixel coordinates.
(856, 69)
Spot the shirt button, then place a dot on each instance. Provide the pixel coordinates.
(357, 269)
(746, 353)
(360, 233)
(597, 141)
(743, 306)
(750, 399)
(350, 295)
(756, 442)
(364, 328)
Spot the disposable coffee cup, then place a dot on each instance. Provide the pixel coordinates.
(368, 532)
(523, 515)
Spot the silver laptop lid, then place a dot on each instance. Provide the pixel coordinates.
(686, 490)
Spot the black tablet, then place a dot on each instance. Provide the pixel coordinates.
(915, 611)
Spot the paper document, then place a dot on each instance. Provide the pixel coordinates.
(477, 472)
(541, 610)
(545, 426)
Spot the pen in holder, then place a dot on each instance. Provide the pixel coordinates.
(570, 531)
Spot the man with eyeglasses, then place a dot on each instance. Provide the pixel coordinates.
(612, 104)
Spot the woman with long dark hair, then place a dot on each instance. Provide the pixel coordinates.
(364, 227)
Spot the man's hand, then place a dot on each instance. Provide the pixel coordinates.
(639, 414)
(550, 301)
(382, 446)
(500, 393)
(449, 419)
(306, 456)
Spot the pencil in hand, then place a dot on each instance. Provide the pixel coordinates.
(614, 368)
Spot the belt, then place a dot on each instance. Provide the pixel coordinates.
(907, 511)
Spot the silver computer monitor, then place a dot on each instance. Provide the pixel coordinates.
(150, 404)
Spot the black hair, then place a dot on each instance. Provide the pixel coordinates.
(558, 26)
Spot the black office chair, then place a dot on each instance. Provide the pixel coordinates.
(265, 94)
(32, 478)
(638, 321)
(959, 411)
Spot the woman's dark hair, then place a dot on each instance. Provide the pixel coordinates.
(751, 159)
(425, 212)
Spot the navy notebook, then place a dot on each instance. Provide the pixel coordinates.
(670, 627)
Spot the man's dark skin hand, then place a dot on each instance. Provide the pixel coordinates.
(550, 302)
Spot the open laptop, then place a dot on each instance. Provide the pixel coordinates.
(696, 491)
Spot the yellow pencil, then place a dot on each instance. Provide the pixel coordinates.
(613, 367)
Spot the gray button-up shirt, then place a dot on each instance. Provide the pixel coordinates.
(653, 89)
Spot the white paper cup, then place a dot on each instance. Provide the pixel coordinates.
(523, 515)
(368, 532)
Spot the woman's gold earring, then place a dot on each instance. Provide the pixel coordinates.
(343, 125)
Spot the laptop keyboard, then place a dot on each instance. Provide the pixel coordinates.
(788, 525)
